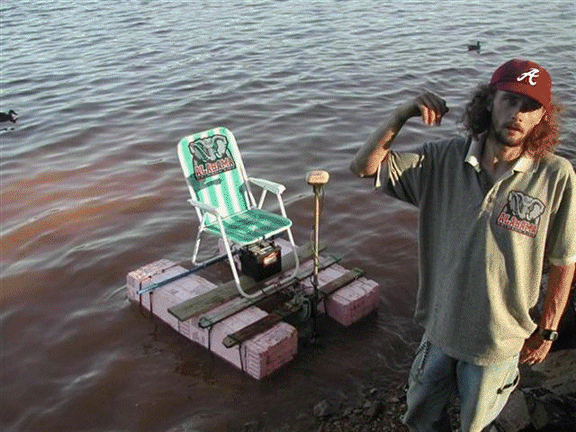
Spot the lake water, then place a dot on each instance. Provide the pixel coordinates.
(92, 189)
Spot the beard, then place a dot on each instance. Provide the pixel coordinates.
(503, 135)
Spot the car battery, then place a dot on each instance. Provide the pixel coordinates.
(261, 260)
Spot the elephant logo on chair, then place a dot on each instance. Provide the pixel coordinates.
(211, 156)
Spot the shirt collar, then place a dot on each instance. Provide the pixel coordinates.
(474, 154)
(524, 164)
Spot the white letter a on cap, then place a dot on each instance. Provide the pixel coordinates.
(531, 75)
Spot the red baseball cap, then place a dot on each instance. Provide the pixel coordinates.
(526, 78)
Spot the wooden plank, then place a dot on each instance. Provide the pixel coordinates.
(350, 276)
(240, 303)
(287, 309)
(226, 292)
(260, 326)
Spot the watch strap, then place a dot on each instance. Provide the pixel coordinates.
(547, 334)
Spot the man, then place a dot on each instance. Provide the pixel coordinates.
(493, 206)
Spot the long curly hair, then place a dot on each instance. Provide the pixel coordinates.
(543, 139)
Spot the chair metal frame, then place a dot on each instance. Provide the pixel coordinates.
(209, 145)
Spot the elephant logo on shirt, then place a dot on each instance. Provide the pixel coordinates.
(521, 214)
(525, 207)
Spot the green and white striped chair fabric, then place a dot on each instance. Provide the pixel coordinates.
(222, 196)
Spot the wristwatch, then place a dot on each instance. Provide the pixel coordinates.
(546, 334)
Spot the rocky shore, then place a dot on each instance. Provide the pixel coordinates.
(544, 401)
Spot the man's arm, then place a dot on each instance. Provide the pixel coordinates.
(366, 162)
(536, 348)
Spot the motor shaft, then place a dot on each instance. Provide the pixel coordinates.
(317, 179)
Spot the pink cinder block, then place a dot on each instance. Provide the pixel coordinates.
(354, 301)
(350, 303)
(164, 297)
(145, 274)
(262, 361)
(258, 357)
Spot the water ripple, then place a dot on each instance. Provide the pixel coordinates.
(91, 187)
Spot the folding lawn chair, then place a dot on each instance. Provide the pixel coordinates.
(221, 194)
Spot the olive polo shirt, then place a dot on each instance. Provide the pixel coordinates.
(482, 244)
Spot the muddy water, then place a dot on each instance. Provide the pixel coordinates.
(91, 187)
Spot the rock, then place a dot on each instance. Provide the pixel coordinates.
(372, 409)
(550, 411)
(322, 409)
(559, 370)
(252, 426)
(548, 401)
(515, 416)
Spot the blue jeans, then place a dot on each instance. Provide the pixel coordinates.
(435, 379)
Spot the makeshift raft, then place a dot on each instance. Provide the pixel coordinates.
(238, 329)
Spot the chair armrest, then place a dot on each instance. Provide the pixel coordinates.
(270, 186)
(205, 207)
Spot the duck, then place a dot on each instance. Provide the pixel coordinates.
(474, 47)
(11, 116)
